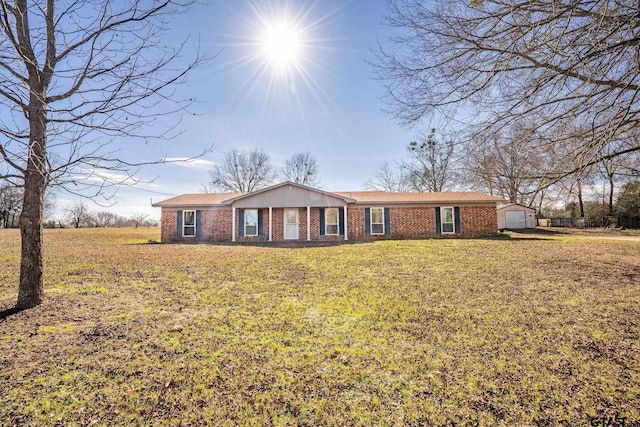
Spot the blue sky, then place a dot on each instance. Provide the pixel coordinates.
(331, 107)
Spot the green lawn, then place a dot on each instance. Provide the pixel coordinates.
(539, 330)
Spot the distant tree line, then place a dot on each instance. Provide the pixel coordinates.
(77, 215)
(626, 205)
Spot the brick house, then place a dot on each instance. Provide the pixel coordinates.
(290, 211)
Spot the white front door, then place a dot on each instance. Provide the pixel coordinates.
(291, 224)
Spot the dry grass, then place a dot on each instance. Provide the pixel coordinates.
(437, 332)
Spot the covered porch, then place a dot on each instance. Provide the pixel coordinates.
(289, 212)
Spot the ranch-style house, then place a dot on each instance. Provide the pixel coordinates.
(290, 211)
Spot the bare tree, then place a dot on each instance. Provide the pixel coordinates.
(138, 219)
(302, 169)
(429, 168)
(508, 164)
(570, 64)
(242, 172)
(10, 205)
(619, 167)
(78, 215)
(432, 164)
(105, 219)
(391, 178)
(74, 76)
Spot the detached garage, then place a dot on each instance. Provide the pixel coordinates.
(514, 217)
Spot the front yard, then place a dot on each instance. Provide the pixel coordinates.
(528, 330)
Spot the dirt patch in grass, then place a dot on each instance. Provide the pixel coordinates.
(435, 332)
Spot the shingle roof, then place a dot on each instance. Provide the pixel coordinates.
(360, 197)
(450, 197)
(196, 200)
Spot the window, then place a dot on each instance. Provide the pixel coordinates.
(377, 220)
(331, 221)
(189, 223)
(446, 218)
(251, 222)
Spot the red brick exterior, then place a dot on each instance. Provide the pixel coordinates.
(406, 222)
(168, 225)
(478, 221)
(215, 226)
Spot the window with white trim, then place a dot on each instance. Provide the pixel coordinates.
(377, 220)
(447, 220)
(251, 222)
(331, 218)
(189, 223)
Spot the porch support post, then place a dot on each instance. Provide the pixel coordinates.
(233, 224)
(270, 224)
(308, 222)
(345, 222)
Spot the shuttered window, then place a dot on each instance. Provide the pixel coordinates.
(446, 220)
(377, 220)
(251, 222)
(331, 222)
(189, 223)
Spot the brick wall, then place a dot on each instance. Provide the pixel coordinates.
(355, 224)
(277, 224)
(478, 221)
(420, 222)
(168, 225)
(215, 226)
(405, 223)
(315, 227)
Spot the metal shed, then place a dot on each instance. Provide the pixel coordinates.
(514, 216)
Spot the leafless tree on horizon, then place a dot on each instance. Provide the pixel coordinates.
(242, 171)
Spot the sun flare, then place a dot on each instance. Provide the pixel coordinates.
(286, 47)
(281, 44)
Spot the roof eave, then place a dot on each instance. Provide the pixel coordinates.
(425, 202)
(188, 205)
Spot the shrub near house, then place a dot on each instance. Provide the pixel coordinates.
(290, 211)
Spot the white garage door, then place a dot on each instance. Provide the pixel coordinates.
(516, 219)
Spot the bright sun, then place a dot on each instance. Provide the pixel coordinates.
(281, 45)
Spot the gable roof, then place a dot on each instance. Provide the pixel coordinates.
(291, 184)
(510, 205)
(357, 197)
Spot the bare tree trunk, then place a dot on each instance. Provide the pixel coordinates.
(580, 201)
(611, 186)
(31, 288)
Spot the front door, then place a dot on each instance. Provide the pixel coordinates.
(291, 224)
